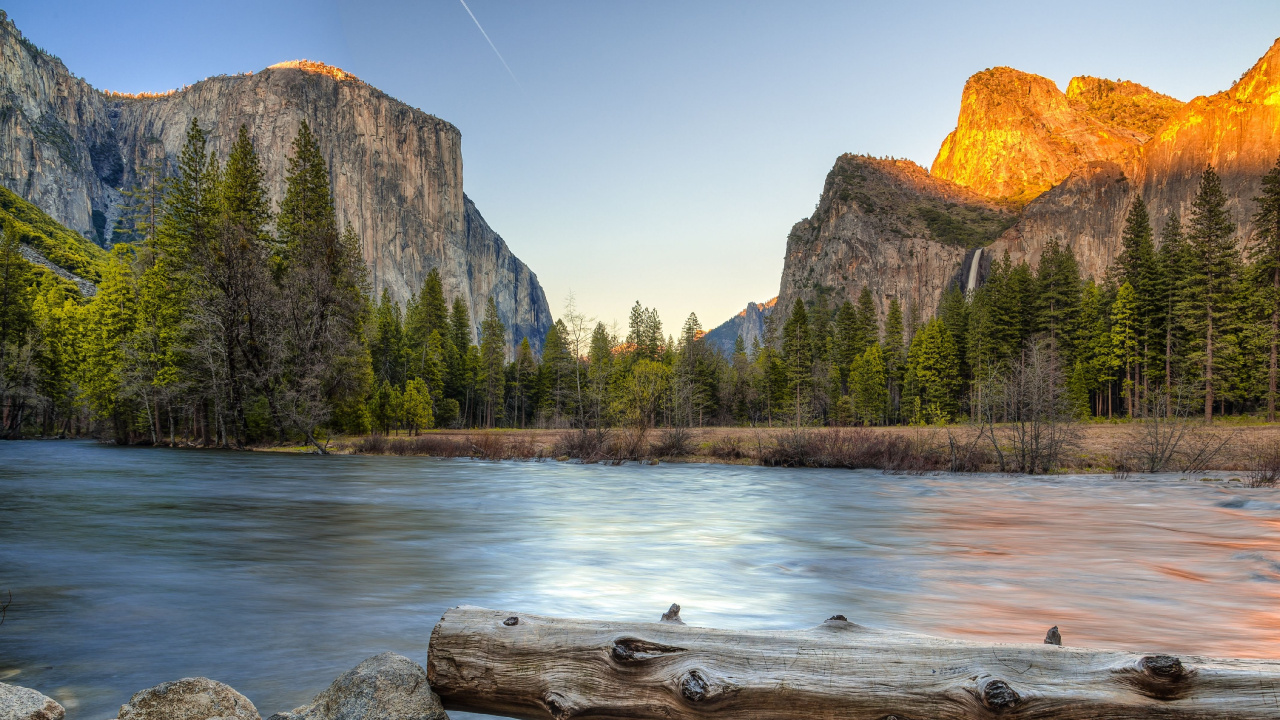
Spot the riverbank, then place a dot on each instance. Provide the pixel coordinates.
(1124, 447)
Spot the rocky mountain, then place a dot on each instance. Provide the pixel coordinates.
(749, 323)
(396, 171)
(1028, 163)
(1019, 135)
(891, 226)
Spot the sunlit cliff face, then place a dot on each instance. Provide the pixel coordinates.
(1019, 135)
(320, 68)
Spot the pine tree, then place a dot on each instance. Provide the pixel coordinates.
(797, 350)
(868, 325)
(868, 387)
(15, 297)
(1173, 261)
(387, 346)
(1212, 275)
(954, 313)
(933, 373)
(325, 291)
(1058, 290)
(417, 405)
(1266, 265)
(848, 336)
(525, 370)
(895, 355)
(1125, 333)
(492, 376)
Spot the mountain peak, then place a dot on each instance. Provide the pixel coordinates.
(1261, 84)
(319, 68)
(1018, 134)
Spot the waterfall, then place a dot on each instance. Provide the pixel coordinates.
(973, 273)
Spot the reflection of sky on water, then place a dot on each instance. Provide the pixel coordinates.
(276, 573)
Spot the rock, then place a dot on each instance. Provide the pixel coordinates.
(749, 324)
(1019, 135)
(887, 225)
(396, 171)
(19, 703)
(189, 699)
(384, 687)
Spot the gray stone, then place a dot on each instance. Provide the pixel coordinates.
(189, 699)
(384, 687)
(19, 703)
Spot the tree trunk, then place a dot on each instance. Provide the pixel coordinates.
(541, 668)
(1208, 369)
(1275, 330)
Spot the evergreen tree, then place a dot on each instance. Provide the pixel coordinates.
(1058, 290)
(1211, 278)
(416, 403)
(1124, 339)
(523, 387)
(492, 379)
(868, 387)
(933, 374)
(15, 298)
(868, 326)
(1173, 261)
(895, 355)
(1266, 267)
(387, 347)
(324, 288)
(797, 350)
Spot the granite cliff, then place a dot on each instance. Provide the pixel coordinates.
(749, 323)
(1028, 163)
(396, 171)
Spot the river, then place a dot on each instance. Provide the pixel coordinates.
(276, 573)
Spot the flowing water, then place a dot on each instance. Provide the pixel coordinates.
(276, 573)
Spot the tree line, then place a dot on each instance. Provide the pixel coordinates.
(227, 324)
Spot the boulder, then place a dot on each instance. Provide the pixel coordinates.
(189, 699)
(384, 687)
(19, 703)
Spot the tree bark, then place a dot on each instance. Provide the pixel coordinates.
(541, 668)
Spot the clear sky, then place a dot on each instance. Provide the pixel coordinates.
(661, 151)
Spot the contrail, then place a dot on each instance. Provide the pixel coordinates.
(495, 47)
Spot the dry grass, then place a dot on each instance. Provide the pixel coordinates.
(1103, 447)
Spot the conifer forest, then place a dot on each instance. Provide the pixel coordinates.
(227, 322)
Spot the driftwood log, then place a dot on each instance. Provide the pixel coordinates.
(542, 668)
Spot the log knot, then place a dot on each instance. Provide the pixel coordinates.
(1053, 637)
(560, 707)
(513, 620)
(672, 615)
(840, 618)
(694, 687)
(632, 650)
(998, 696)
(1164, 667)
(1162, 677)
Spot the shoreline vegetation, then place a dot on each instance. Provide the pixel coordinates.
(1116, 448)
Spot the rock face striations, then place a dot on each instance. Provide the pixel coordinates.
(1026, 164)
(396, 171)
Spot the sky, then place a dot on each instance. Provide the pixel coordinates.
(661, 151)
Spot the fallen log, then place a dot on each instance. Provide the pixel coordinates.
(543, 668)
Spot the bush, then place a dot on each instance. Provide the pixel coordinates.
(674, 442)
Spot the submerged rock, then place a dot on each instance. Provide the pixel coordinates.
(19, 703)
(189, 699)
(384, 687)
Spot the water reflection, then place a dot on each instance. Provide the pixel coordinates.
(272, 573)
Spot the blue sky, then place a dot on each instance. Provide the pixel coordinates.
(661, 151)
